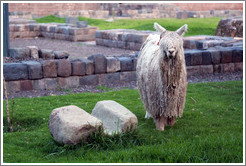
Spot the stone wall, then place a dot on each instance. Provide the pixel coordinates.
(133, 40)
(52, 30)
(126, 10)
(101, 70)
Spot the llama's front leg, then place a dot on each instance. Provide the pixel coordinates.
(160, 123)
(147, 115)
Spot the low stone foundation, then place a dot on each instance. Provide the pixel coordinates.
(133, 40)
(51, 30)
(101, 70)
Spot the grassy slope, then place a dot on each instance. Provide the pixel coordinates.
(211, 129)
(196, 26)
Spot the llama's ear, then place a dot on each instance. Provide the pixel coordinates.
(159, 28)
(181, 31)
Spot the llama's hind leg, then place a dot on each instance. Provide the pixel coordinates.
(147, 115)
(160, 123)
(171, 121)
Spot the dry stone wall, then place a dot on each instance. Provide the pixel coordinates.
(52, 30)
(51, 74)
(126, 10)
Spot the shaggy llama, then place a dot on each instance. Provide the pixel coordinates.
(161, 76)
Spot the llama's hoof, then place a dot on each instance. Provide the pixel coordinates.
(147, 115)
(160, 123)
(171, 121)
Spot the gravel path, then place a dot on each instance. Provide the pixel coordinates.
(76, 49)
(128, 85)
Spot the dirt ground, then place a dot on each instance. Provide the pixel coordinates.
(75, 49)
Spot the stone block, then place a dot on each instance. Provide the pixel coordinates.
(226, 56)
(43, 28)
(227, 67)
(61, 54)
(128, 76)
(237, 55)
(51, 83)
(64, 68)
(206, 69)
(206, 58)
(26, 85)
(33, 52)
(100, 63)
(15, 71)
(38, 84)
(99, 42)
(13, 86)
(216, 56)
(238, 66)
(46, 54)
(192, 70)
(35, 70)
(19, 53)
(113, 64)
(49, 68)
(78, 68)
(71, 125)
(217, 68)
(98, 34)
(115, 117)
(89, 80)
(135, 60)
(126, 63)
(68, 82)
(187, 59)
(121, 44)
(109, 78)
(196, 58)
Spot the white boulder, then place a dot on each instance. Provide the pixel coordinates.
(71, 124)
(115, 117)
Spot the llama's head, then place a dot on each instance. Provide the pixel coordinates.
(171, 42)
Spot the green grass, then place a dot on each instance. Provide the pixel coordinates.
(210, 131)
(196, 26)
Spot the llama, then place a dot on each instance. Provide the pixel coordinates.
(161, 76)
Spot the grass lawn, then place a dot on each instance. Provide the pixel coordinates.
(210, 131)
(196, 26)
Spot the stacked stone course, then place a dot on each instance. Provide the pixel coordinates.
(98, 69)
(52, 30)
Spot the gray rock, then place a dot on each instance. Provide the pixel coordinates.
(33, 52)
(113, 65)
(35, 70)
(206, 58)
(109, 78)
(19, 53)
(68, 82)
(49, 68)
(81, 24)
(89, 80)
(128, 76)
(78, 68)
(61, 54)
(115, 117)
(100, 63)
(71, 125)
(237, 55)
(126, 63)
(15, 71)
(46, 54)
(64, 68)
(71, 20)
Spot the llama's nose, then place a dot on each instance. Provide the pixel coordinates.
(171, 51)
